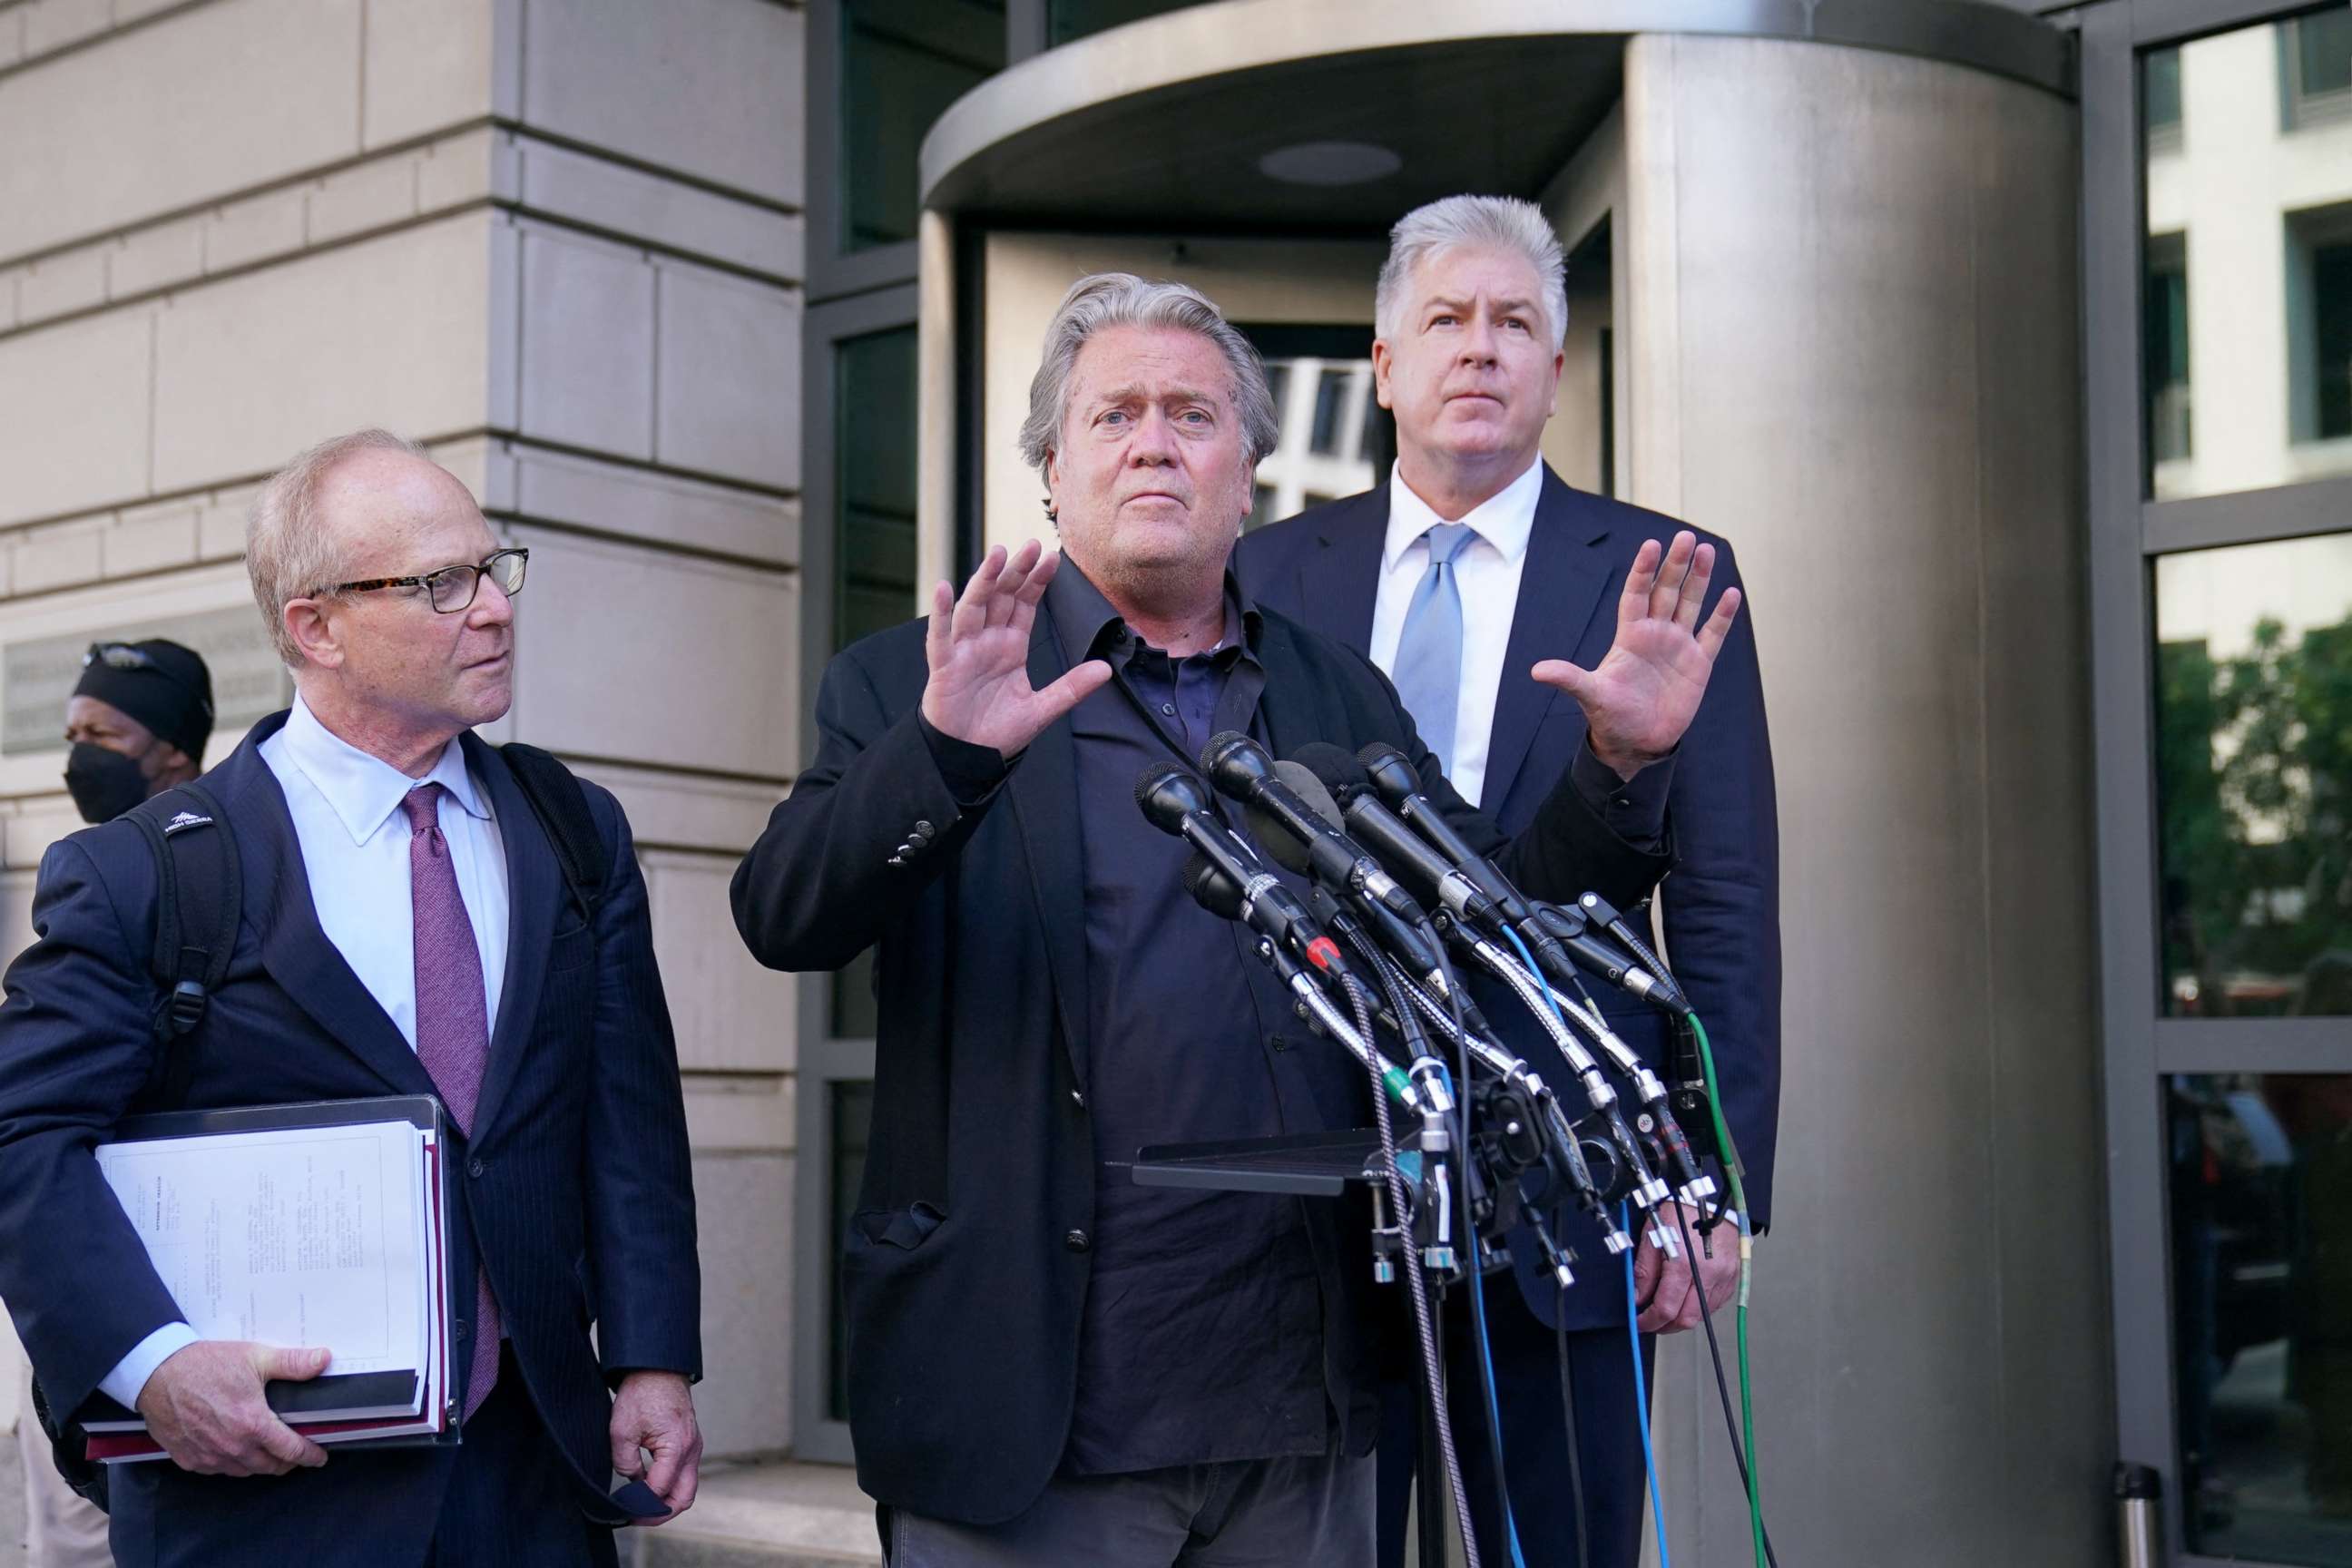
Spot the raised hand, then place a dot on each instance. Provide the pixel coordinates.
(978, 648)
(1645, 692)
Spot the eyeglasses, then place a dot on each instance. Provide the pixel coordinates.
(453, 588)
(123, 656)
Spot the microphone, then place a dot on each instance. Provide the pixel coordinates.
(1242, 768)
(1398, 847)
(1175, 802)
(1392, 777)
(1401, 937)
(1570, 930)
(1267, 907)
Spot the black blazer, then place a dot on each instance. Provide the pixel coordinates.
(576, 1192)
(965, 1264)
(1723, 902)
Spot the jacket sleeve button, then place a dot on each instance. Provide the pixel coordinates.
(1077, 1241)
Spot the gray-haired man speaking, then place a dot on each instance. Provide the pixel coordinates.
(1048, 1363)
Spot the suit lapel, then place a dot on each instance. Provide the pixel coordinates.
(1043, 795)
(1558, 590)
(534, 899)
(294, 948)
(1338, 581)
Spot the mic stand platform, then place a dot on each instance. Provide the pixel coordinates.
(1321, 1166)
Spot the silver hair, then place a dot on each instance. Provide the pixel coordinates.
(1495, 223)
(1122, 299)
(290, 551)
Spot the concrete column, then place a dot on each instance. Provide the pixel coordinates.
(1850, 326)
(560, 242)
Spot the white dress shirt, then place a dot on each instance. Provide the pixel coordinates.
(354, 837)
(1487, 572)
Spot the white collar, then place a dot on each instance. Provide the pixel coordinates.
(361, 789)
(1504, 520)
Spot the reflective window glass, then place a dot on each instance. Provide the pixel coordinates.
(1069, 20)
(2247, 156)
(2261, 1175)
(902, 63)
(2254, 718)
(849, 1125)
(1336, 439)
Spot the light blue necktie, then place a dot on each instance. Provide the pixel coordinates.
(1429, 653)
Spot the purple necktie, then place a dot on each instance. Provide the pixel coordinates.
(453, 1023)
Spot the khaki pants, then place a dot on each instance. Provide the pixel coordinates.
(62, 1530)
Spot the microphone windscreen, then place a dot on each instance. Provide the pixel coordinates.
(1212, 888)
(1339, 771)
(1311, 793)
(1267, 832)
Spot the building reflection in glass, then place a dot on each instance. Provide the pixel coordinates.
(2247, 140)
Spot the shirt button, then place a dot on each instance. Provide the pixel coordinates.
(461, 1328)
(1078, 1098)
(1076, 1241)
(475, 1168)
(1169, 708)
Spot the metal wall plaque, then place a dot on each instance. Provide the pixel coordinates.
(36, 677)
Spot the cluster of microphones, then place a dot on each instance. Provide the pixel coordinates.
(1395, 899)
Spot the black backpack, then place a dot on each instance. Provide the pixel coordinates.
(200, 894)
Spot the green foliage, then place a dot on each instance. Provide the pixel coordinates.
(2254, 797)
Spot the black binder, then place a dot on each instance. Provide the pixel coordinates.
(290, 1400)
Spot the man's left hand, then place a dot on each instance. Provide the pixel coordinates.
(1662, 1285)
(654, 1411)
(1645, 692)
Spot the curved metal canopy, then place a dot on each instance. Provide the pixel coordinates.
(1167, 120)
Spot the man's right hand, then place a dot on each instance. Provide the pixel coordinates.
(204, 1404)
(978, 647)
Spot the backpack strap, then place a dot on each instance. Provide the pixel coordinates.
(200, 892)
(561, 808)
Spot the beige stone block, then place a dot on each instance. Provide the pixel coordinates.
(218, 98)
(390, 332)
(730, 1013)
(12, 37)
(53, 23)
(369, 196)
(8, 294)
(684, 811)
(59, 285)
(27, 837)
(710, 87)
(151, 540)
(730, 376)
(587, 344)
(458, 170)
(725, 635)
(428, 64)
(220, 529)
(74, 415)
(156, 257)
(254, 231)
(129, 11)
(739, 1113)
(743, 1207)
(56, 557)
(593, 190)
(658, 507)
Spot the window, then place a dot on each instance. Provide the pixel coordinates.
(2254, 742)
(2259, 193)
(1335, 440)
(1330, 396)
(902, 63)
(2261, 1206)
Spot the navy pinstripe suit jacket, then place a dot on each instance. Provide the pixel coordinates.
(574, 1189)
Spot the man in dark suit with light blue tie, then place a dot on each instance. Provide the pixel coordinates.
(408, 927)
(1484, 585)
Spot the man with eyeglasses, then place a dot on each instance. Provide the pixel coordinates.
(410, 925)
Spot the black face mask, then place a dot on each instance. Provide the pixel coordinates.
(104, 784)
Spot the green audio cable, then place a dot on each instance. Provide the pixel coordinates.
(1746, 1261)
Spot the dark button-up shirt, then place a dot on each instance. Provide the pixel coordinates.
(1202, 1338)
